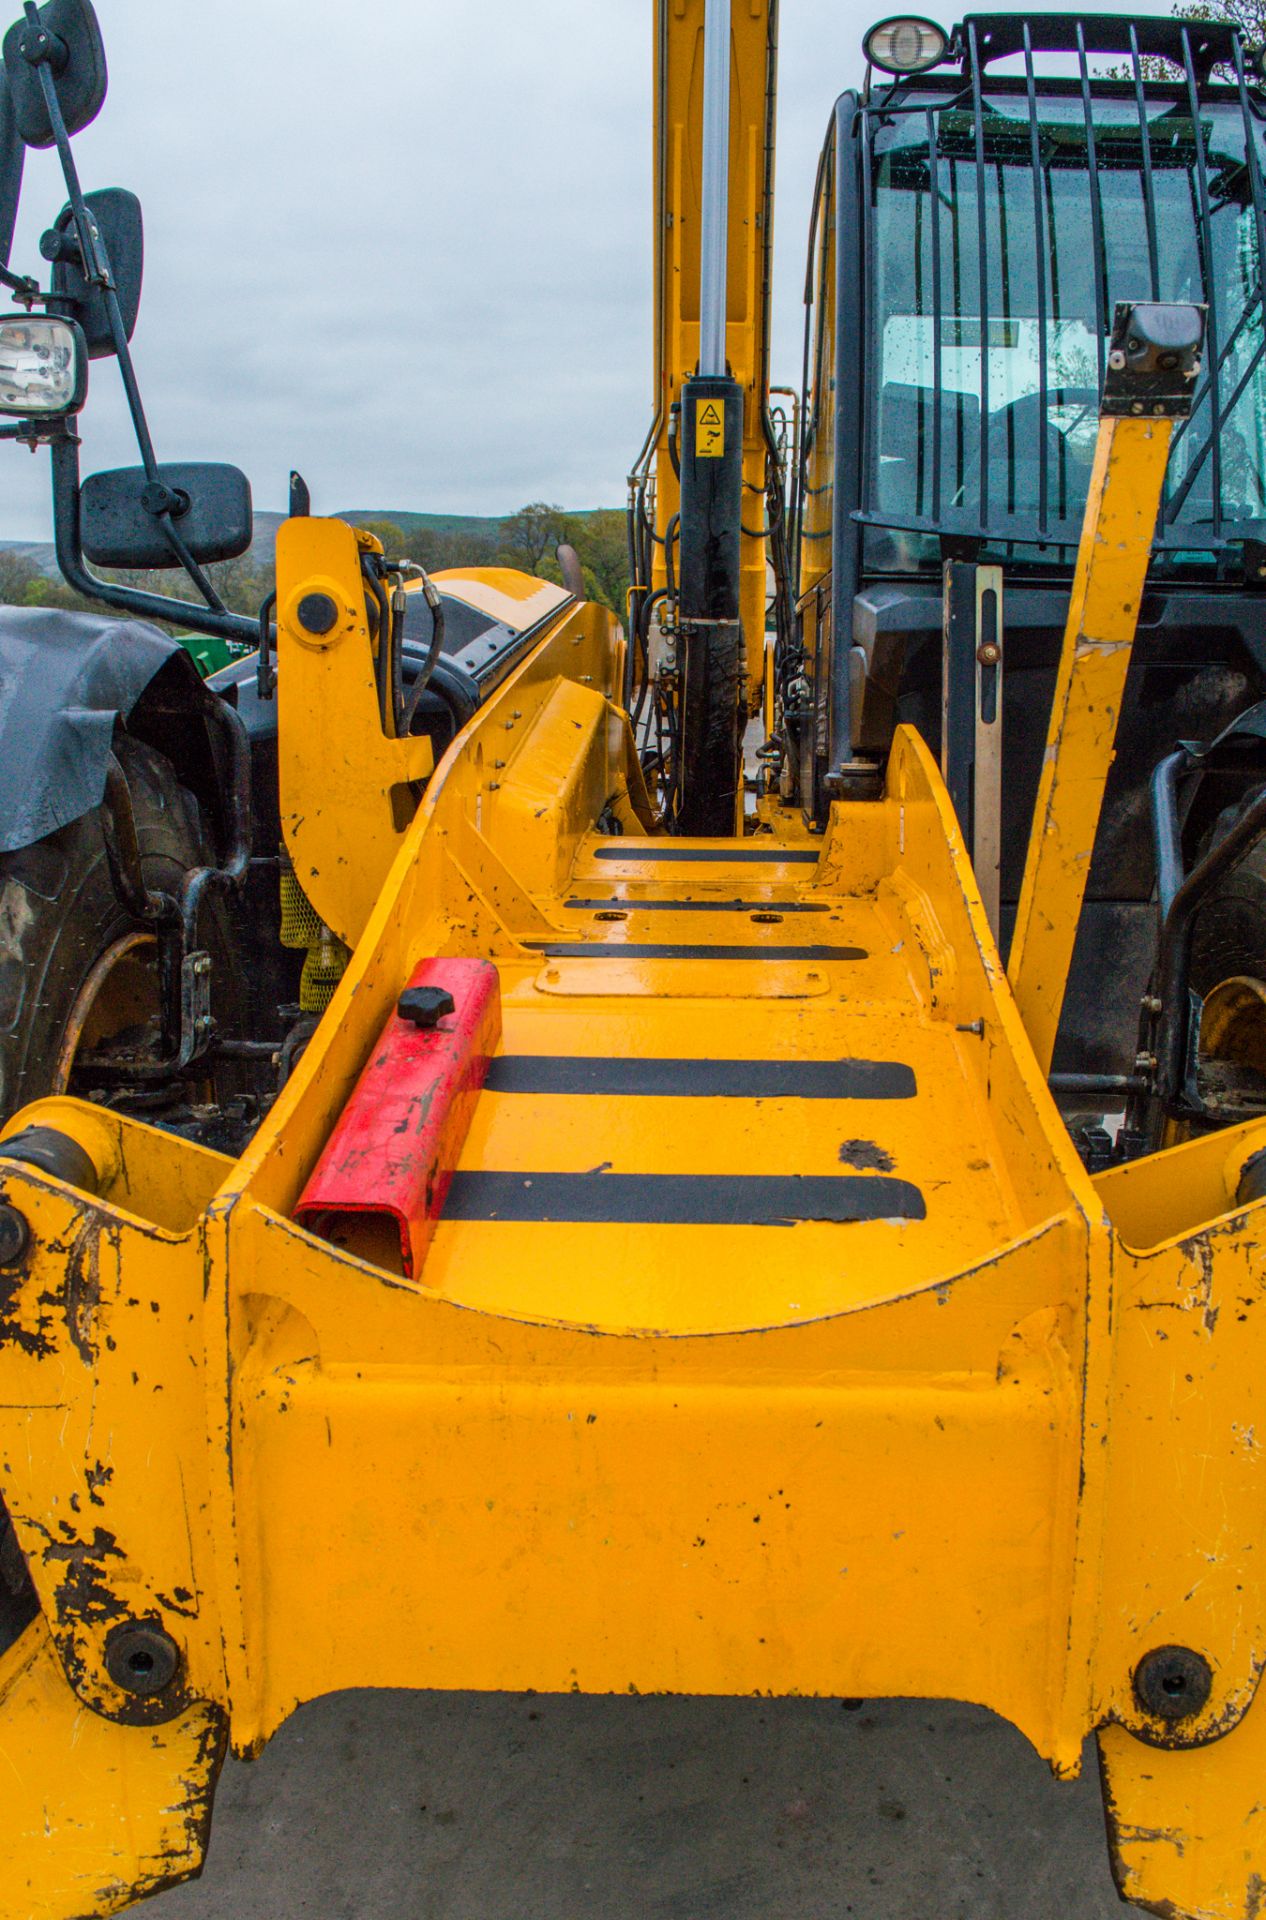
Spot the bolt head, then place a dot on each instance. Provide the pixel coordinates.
(317, 613)
(1173, 1683)
(15, 1236)
(140, 1658)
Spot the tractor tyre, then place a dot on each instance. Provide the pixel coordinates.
(1229, 937)
(75, 966)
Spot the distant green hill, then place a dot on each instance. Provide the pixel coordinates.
(447, 525)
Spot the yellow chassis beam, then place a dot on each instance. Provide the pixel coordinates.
(1116, 547)
(1005, 1450)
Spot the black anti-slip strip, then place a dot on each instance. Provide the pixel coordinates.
(737, 856)
(778, 907)
(647, 950)
(681, 1199)
(702, 1079)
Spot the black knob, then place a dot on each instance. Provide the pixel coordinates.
(425, 1006)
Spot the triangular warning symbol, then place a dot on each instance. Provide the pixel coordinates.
(710, 417)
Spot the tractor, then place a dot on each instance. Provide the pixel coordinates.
(709, 1148)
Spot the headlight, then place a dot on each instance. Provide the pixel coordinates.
(43, 365)
(905, 44)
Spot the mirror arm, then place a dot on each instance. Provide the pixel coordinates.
(26, 289)
(167, 524)
(97, 268)
(239, 627)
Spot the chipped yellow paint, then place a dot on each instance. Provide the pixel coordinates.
(93, 1815)
(1112, 561)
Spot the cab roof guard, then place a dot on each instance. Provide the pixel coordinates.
(1195, 45)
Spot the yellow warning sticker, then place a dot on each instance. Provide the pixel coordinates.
(709, 429)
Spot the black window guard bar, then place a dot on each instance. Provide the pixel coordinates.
(1195, 49)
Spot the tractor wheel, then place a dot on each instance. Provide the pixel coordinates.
(76, 970)
(1228, 968)
(18, 1605)
(1229, 938)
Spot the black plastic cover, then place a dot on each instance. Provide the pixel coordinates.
(117, 530)
(117, 214)
(79, 75)
(65, 679)
(12, 157)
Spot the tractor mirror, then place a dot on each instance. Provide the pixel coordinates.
(64, 40)
(116, 215)
(120, 524)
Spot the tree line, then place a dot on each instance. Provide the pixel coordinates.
(525, 540)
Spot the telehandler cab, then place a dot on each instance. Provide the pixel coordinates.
(523, 1165)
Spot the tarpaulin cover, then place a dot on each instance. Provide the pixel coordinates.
(64, 680)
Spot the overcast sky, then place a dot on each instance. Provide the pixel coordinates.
(404, 248)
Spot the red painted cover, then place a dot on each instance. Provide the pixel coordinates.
(398, 1139)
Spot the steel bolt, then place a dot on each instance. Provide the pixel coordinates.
(1173, 1682)
(141, 1658)
(1145, 1062)
(317, 613)
(15, 1236)
(989, 654)
(1116, 359)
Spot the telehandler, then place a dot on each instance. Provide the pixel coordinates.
(523, 1162)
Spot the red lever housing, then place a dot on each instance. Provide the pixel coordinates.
(381, 1181)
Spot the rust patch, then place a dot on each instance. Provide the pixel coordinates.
(83, 1597)
(866, 1155)
(83, 1289)
(33, 1341)
(96, 1478)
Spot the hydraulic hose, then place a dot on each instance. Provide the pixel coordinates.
(434, 601)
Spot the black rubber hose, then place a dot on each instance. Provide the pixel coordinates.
(435, 603)
(643, 644)
(397, 656)
(382, 665)
(265, 673)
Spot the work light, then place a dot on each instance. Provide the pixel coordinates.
(905, 44)
(43, 365)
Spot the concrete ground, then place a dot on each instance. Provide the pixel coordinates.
(505, 1807)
